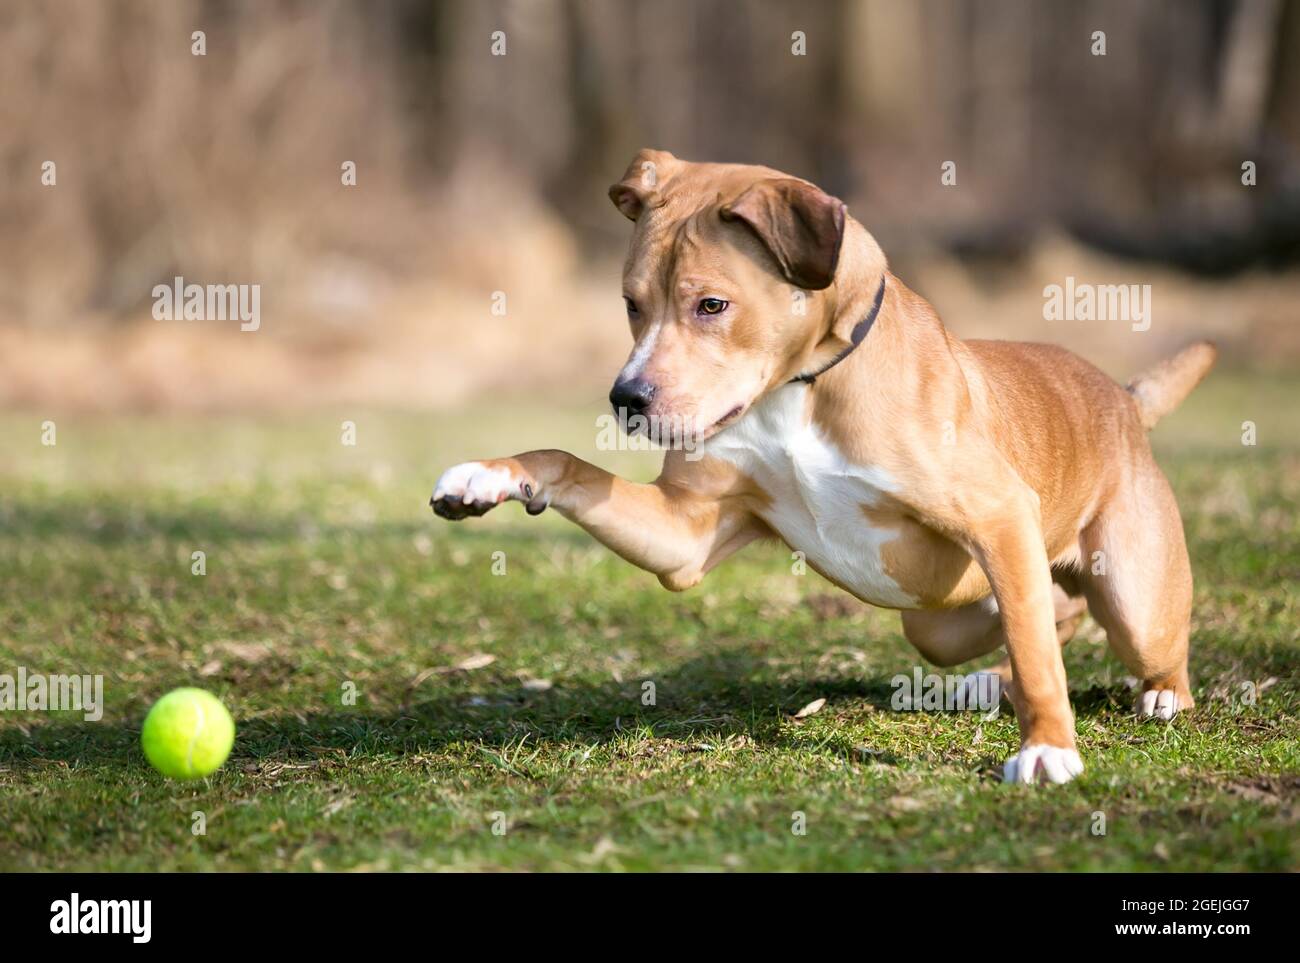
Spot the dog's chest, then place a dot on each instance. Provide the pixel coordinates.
(818, 499)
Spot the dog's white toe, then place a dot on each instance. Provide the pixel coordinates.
(1158, 703)
(475, 487)
(1039, 762)
(474, 481)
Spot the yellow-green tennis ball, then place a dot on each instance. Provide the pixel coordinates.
(187, 734)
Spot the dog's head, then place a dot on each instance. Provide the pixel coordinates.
(730, 284)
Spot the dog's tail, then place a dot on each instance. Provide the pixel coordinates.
(1161, 389)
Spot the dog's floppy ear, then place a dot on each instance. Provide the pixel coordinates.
(639, 188)
(801, 225)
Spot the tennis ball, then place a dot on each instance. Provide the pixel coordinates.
(187, 734)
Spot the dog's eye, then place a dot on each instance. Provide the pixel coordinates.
(712, 306)
(632, 310)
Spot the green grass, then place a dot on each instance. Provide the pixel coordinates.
(325, 567)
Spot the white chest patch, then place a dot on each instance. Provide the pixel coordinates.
(817, 494)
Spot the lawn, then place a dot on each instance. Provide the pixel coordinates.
(416, 694)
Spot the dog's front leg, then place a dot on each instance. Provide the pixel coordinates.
(666, 527)
(1010, 549)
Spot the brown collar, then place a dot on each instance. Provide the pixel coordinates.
(859, 332)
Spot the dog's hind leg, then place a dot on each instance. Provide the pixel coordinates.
(1139, 587)
(953, 636)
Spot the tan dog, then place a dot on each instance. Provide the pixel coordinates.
(991, 490)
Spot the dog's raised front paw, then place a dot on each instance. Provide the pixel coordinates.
(476, 487)
(1039, 762)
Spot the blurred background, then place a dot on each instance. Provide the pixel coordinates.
(480, 174)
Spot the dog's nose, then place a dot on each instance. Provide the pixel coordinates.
(633, 396)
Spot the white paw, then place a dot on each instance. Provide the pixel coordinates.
(1161, 703)
(1039, 762)
(473, 488)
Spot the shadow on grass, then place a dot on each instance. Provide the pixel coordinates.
(703, 701)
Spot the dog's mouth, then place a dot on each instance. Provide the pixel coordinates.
(671, 431)
(729, 417)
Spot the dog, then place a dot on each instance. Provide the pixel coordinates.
(992, 491)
